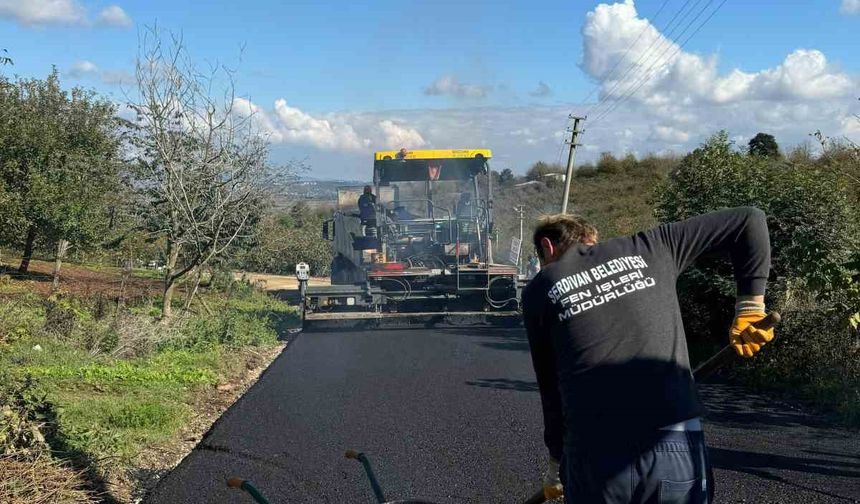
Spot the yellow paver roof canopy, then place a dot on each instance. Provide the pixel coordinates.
(432, 154)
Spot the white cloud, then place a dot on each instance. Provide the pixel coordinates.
(398, 135)
(850, 7)
(536, 131)
(81, 68)
(293, 125)
(113, 15)
(676, 98)
(43, 12)
(333, 132)
(448, 85)
(85, 69)
(667, 75)
(668, 134)
(687, 101)
(542, 91)
(60, 12)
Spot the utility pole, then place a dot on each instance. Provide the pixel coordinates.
(521, 211)
(574, 134)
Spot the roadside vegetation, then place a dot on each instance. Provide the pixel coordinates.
(123, 332)
(96, 380)
(287, 237)
(814, 220)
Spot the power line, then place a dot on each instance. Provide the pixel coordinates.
(617, 63)
(669, 30)
(561, 144)
(647, 76)
(663, 44)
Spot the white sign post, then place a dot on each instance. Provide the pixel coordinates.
(515, 250)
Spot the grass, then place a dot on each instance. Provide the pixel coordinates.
(111, 407)
(122, 382)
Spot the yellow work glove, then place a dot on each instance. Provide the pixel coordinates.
(552, 488)
(744, 336)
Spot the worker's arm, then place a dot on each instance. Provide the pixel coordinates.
(543, 359)
(742, 232)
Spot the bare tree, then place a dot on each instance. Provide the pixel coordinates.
(203, 164)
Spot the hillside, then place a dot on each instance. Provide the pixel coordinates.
(615, 197)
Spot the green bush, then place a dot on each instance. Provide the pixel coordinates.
(285, 239)
(586, 171)
(21, 318)
(62, 316)
(814, 227)
(231, 327)
(26, 417)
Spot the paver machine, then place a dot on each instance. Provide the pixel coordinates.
(422, 253)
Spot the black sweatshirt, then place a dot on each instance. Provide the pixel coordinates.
(605, 330)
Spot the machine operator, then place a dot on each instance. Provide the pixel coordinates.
(367, 211)
(621, 413)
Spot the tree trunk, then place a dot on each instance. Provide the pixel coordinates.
(28, 250)
(169, 280)
(62, 247)
(193, 291)
(127, 265)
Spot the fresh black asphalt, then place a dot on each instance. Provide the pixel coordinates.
(453, 415)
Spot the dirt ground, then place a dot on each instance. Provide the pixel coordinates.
(86, 282)
(82, 281)
(280, 282)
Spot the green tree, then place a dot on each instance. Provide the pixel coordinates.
(279, 243)
(541, 169)
(5, 60)
(299, 213)
(763, 145)
(812, 221)
(59, 158)
(506, 177)
(607, 163)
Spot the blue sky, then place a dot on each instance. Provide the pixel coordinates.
(513, 69)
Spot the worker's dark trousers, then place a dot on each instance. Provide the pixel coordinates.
(665, 467)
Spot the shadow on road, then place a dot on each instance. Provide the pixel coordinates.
(834, 454)
(761, 465)
(495, 338)
(505, 384)
(735, 406)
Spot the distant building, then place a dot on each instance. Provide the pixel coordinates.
(554, 176)
(529, 183)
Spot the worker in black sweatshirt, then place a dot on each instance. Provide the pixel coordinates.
(621, 413)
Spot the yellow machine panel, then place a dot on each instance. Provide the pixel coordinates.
(432, 154)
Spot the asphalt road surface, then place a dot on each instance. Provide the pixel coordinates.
(453, 415)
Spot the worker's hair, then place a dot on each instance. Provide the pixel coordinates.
(564, 231)
(368, 189)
